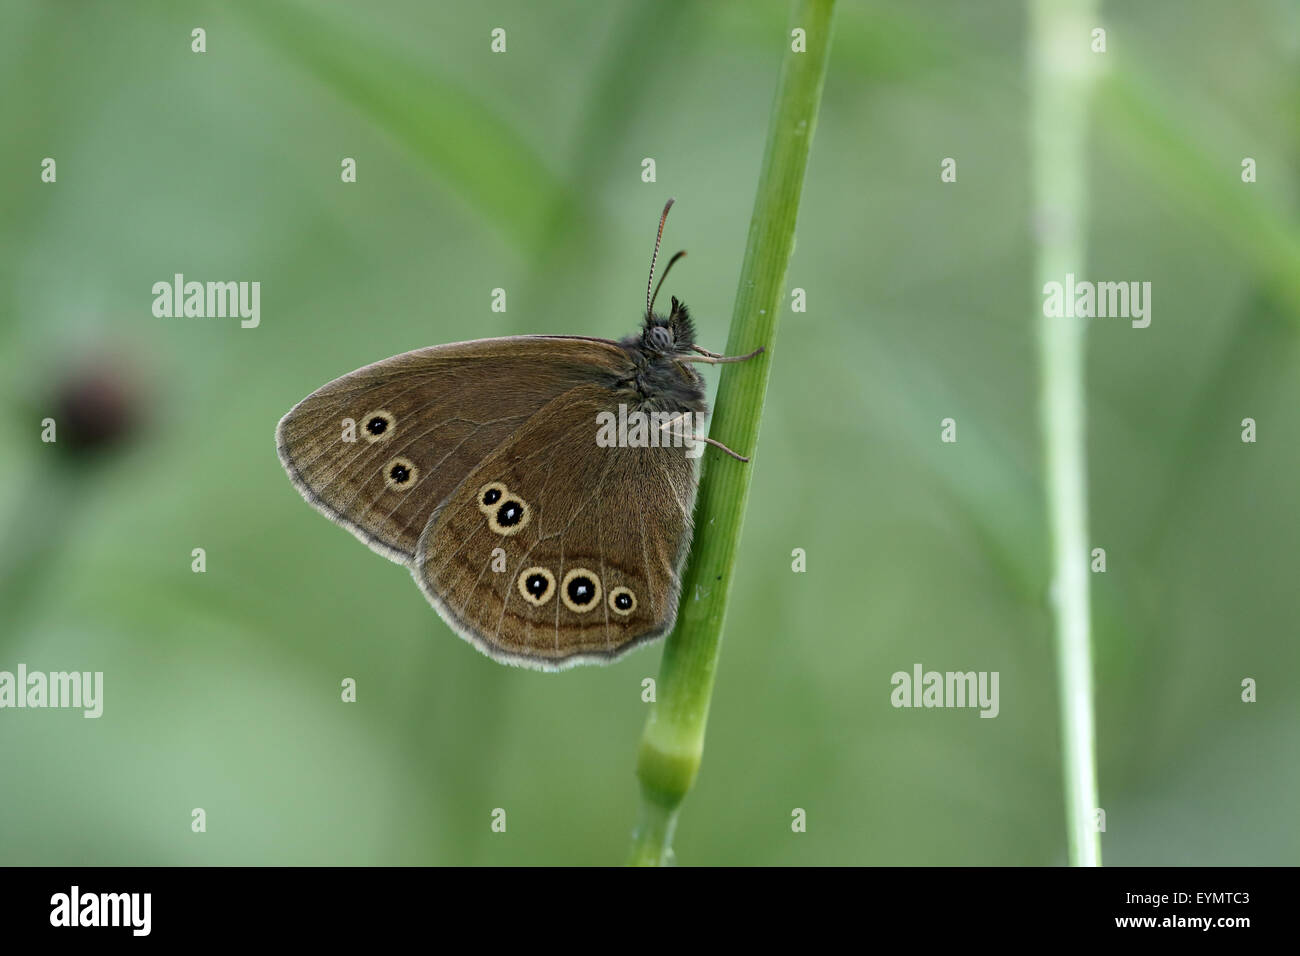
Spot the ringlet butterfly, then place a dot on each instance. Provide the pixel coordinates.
(478, 466)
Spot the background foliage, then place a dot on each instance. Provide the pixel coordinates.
(522, 171)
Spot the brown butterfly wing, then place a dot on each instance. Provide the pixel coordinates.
(447, 408)
(621, 515)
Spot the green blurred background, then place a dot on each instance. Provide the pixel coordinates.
(523, 171)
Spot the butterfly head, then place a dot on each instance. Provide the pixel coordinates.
(668, 334)
(662, 379)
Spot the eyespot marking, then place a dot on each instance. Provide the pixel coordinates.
(400, 474)
(378, 425)
(580, 590)
(509, 515)
(622, 601)
(490, 495)
(536, 585)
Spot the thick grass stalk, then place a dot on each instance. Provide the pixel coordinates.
(673, 742)
(1062, 68)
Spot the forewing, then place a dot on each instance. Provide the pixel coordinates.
(446, 409)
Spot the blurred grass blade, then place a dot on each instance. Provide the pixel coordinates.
(614, 95)
(673, 742)
(1191, 180)
(475, 154)
(1062, 67)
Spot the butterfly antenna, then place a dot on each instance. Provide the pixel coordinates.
(649, 286)
(659, 284)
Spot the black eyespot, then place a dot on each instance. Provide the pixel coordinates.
(622, 601)
(507, 518)
(582, 590)
(488, 497)
(399, 473)
(378, 425)
(537, 585)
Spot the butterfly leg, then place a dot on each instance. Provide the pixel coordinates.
(707, 441)
(718, 444)
(714, 358)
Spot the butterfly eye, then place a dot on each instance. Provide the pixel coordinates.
(580, 590)
(536, 585)
(400, 474)
(660, 338)
(509, 516)
(378, 425)
(490, 495)
(622, 601)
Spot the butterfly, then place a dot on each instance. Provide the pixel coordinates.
(481, 467)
